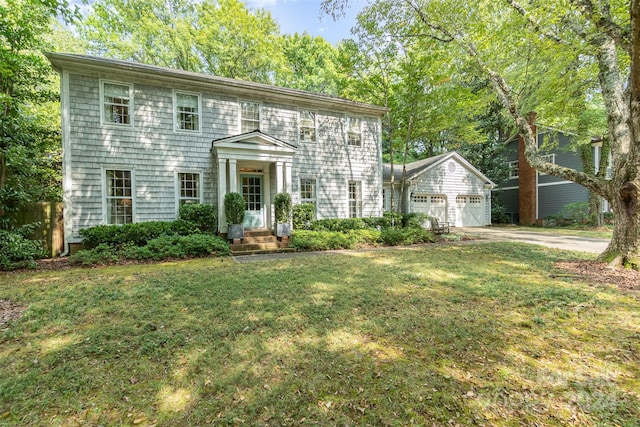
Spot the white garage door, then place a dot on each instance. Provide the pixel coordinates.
(469, 211)
(431, 204)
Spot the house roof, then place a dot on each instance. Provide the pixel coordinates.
(415, 169)
(101, 67)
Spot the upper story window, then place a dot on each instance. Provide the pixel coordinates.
(116, 103)
(119, 197)
(187, 112)
(307, 125)
(514, 169)
(354, 131)
(249, 116)
(550, 158)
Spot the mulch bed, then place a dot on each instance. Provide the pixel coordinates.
(601, 274)
(9, 311)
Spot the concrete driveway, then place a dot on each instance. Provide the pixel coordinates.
(559, 241)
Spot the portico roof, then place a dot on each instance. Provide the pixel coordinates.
(254, 145)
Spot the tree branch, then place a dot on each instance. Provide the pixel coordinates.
(535, 23)
(602, 19)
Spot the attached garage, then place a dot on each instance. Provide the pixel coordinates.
(447, 187)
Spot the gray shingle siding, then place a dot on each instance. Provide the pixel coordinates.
(155, 151)
(551, 199)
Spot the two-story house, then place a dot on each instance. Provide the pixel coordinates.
(140, 140)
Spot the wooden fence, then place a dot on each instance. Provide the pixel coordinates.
(51, 230)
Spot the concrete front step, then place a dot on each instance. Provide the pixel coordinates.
(262, 251)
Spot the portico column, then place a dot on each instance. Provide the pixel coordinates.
(222, 190)
(233, 182)
(287, 177)
(279, 177)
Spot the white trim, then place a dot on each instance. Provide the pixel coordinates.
(103, 121)
(315, 125)
(176, 127)
(508, 188)
(549, 184)
(510, 168)
(67, 175)
(259, 104)
(177, 187)
(104, 169)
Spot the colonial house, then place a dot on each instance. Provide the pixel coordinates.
(140, 140)
(446, 187)
(530, 196)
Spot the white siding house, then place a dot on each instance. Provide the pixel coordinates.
(139, 140)
(446, 187)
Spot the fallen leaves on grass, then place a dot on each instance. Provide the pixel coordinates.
(9, 311)
(601, 274)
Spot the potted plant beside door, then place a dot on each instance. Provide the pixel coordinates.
(282, 208)
(234, 208)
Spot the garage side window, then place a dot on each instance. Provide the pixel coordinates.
(119, 199)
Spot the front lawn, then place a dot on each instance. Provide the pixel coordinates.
(452, 334)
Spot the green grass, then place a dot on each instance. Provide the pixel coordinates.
(435, 335)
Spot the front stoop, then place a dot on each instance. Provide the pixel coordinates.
(260, 242)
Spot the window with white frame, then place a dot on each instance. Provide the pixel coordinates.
(249, 116)
(187, 112)
(189, 184)
(355, 199)
(354, 131)
(119, 198)
(116, 103)
(514, 169)
(550, 158)
(307, 125)
(308, 190)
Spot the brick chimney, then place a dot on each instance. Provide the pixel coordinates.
(527, 182)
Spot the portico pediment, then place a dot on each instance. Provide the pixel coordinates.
(252, 145)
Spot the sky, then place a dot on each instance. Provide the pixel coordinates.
(305, 15)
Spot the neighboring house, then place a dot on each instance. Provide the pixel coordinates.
(140, 140)
(447, 187)
(529, 196)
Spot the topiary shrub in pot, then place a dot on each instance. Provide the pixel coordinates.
(282, 208)
(234, 209)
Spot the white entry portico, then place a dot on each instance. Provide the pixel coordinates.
(252, 164)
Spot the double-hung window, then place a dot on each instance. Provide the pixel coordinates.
(514, 169)
(249, 116)
(355, 199)
(119, 197)
(189, 188)
(308, 190)
(354, 131)
(116, 103)
(307, 126)
(187, 112)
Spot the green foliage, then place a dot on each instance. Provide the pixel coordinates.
(234, 208)
(282, 207)
(310, 240)
(160, 248)
(498, 211)
(17, 251)
(577, 212)
(204, 216)
(138, 234)
(338, 224)
(406, 236)
(414, 220)
(303, 215)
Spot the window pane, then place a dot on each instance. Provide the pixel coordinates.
(119, 200)
(189, 188)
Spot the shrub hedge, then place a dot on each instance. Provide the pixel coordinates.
(16, 251)
(139, 233)
(204, 216)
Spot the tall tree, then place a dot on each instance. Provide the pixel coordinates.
(28, 138)
(536, 54)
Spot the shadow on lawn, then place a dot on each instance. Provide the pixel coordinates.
(380, 338)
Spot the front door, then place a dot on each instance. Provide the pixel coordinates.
(252, 193)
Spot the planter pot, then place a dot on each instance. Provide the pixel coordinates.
(283, 229)
(235, 231)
